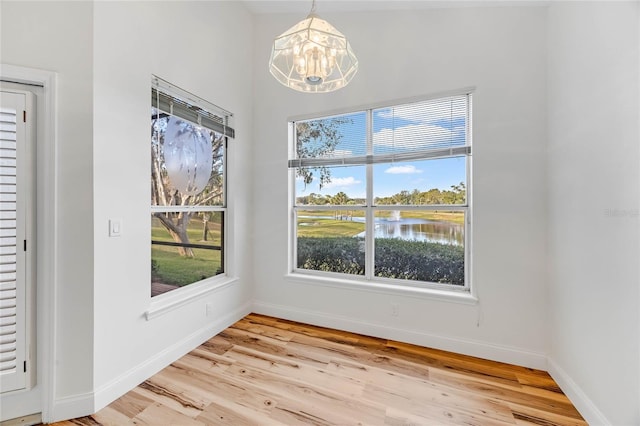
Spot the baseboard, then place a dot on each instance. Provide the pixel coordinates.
(70, 407)
(580, 400)
(511, 355)
(117, 387)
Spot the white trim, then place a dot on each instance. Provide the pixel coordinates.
(500, 353)
(70, 407)
(170, 301)
(46, 217)
(459, 295)
(580, 400)
(122, 384)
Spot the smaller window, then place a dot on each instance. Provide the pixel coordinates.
(188, 188)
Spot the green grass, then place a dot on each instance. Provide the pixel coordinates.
(434, 215)
(344, 212)
(327, 228)
(177, 270)
(194, 231)
(172, 268)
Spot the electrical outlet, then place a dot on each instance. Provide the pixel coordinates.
(207, 309)
(395, 309)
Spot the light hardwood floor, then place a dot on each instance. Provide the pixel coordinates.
(266, 371)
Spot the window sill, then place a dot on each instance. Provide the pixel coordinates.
(172, 300)
(463, 297)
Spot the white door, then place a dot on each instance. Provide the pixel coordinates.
(16, 218)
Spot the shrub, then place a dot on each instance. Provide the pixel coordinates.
(394, 258)
(341, 254)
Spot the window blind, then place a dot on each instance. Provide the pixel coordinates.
(435, 128)
(172, 100)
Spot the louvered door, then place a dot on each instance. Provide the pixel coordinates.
(14, 196)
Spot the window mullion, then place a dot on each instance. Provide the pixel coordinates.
(293, 229)
(369, 222)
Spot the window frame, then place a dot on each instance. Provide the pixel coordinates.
(465, 293)
(216, 120)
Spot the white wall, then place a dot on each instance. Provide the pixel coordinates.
(58, 37)
(202, 47)
(105, 54)
(500, 51)
(594, 175)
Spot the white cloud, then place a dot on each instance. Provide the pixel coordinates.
(403, 170)
(337, 182)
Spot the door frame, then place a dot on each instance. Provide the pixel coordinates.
(46, 233)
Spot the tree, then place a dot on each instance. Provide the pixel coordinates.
(163, 194)
(457, 194)
(317, 139)
(340, 199)
(403, 198)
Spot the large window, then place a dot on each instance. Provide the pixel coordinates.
(383, 194)
(188, 188)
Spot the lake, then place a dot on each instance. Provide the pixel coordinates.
(412, 229)
(419, 230)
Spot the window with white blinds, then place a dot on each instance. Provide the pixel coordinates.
(432, 128)
(13, 338)
(382, 194)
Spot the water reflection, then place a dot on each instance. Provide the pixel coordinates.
(411, 229)
(420, 230)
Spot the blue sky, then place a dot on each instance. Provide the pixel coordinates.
(397, 130)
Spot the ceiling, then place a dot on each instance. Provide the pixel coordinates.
(302, 7)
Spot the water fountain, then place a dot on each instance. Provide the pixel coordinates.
(395, 216)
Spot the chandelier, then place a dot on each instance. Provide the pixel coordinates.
(312, 56)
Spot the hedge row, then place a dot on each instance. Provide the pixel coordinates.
(394, 258)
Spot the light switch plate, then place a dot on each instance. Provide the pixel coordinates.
(115, 227)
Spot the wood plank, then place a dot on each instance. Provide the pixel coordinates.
(431, 401)
(526, 414)
(307, 401)
(172, 401)
(131, 404)
(217, 414)
(263, 329)
(349, 387)
(157, 413)
(494, 391)
(111, 416)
